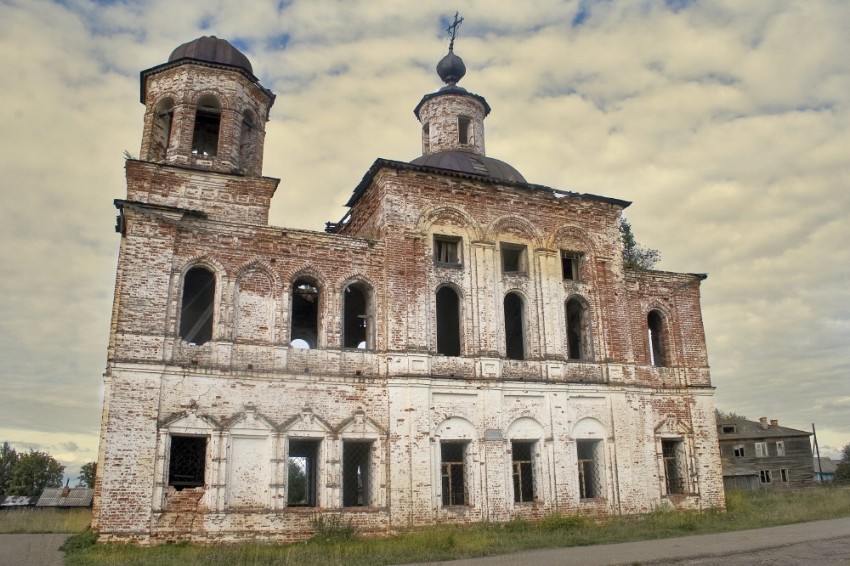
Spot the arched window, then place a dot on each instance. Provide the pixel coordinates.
(356, 316)
(246, 140)
(207, 125)
(448, 322)
(657, 349)
(163, 114)
(514, 332)
(304, 322)
(196, 311)
(426, 138)
(578, 335)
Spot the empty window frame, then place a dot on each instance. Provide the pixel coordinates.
(728, 429)
(447, 250)
(578, 335)
(453, 473)
(783, 473)
(302, 473)
(356, 318)
(522, 471)
(196, 308)
(569, 265)
(673, 454)
(765, 476)
(464, 130)
(207, 126)
(589, 455)
(657, 350)
(514, 258)
(514, 327)
(304, 323)
(187, 459)
(161, 134)
(780, 448)
(738, 451)
(448, 321)
(761, 450)
(426, 138)
(356, 473)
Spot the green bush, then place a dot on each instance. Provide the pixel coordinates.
(79, 541)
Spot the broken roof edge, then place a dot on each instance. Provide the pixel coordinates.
(700, 276)
(405, 166)
(143, 75)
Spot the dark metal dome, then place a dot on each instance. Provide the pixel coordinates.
(213, 50)
(471, 163)
(451, 68)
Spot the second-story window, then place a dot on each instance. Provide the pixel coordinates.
(514, 259)
(447, 250)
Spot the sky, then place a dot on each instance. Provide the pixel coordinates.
(726, 123)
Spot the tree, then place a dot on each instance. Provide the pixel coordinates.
(8, 459)
(35, 471)
(634, 254)
(842, 471)
(87, 474)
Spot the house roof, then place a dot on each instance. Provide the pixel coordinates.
(826, 464)
(752, 429)
(65, 497)
(16, 501)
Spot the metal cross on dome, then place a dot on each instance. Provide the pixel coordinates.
(452, 29)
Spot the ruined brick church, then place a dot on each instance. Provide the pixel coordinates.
(461, 346)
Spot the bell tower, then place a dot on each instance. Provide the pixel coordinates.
(205, 109)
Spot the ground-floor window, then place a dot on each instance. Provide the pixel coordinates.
(522, 471)
(356, 467)
(673, 452)
(302, 468)
(765, 476)
(187, 461)
(784, 475)
(453, 473)
(589, 468)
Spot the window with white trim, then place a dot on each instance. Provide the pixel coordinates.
(761, 450)
(780, 448)
(765, 476)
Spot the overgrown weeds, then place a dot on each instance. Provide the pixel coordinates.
(336, 541)
(34, 520)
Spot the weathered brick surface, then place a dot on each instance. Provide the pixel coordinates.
(249, 393)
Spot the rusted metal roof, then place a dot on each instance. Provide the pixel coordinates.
(65, 497)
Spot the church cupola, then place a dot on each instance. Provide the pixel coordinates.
(452, 118)
(204, 108)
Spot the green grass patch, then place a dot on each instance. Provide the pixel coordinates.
(336, 542)
(33, 520)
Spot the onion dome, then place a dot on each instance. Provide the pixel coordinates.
(212, 50)
(451, 68)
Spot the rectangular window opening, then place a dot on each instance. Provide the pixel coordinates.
(780, 448)
(356, 473)
(302, 468)
(187, 461)
(674, 469)
(765, 476)
(514, 259)
(453, 474)
(728, 429)
(739, 451)
(463, 127)
(589, 470)
(523, 471)
(784, 475)
(569, 265)
(447, 250)
(761, 449)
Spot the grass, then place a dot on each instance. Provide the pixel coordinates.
(32, 520)
(338, 543)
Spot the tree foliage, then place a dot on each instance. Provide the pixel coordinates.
(634, 254)
(87, 474)
(35, 471)
(8, 459)
(842, 471)
(728, 415)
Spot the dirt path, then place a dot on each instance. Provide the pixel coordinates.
(31, 550)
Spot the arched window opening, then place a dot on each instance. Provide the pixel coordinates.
(657, 351)
(356, 325)
(426, 138)
(304, 324)
(163, 115)
(514, 334)
(196, 312)
(448, 322)
(576, 332)
(246, 139)
(207, 125)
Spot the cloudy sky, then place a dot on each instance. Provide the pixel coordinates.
(726, 122)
